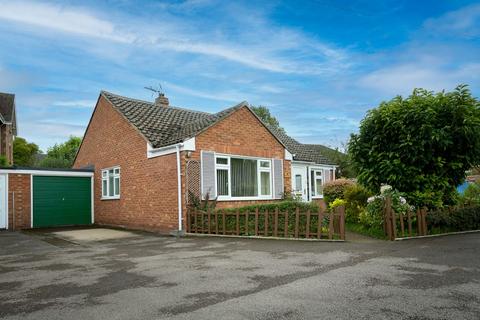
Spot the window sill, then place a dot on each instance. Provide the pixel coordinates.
(110, 198)
(317, 197)
(246, 199)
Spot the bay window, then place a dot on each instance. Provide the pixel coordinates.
(243, 178)
(111, 183)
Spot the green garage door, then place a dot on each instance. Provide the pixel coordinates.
(61, 201)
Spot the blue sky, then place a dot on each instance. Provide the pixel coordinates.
(318, 65)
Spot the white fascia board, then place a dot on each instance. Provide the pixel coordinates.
(48, 173)
(187, 145)
(288, 155)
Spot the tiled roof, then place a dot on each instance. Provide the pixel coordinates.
(304, 152)
(163, 126)
(7, 103)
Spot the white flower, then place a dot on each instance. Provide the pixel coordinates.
(402, 200)
(385, 187)
(371, 199)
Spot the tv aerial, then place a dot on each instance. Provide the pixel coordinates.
(156, 90)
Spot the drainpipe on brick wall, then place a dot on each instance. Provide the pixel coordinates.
(179, 185)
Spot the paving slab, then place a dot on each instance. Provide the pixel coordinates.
(94, 234)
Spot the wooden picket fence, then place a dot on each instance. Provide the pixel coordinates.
(404, 225)
(298, 224)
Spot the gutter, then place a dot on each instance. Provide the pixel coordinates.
(179, 185)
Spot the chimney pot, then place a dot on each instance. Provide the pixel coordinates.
(162, 101)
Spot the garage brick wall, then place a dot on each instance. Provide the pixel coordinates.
(19, 201)
(148, 187)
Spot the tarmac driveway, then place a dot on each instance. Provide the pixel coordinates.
(144, 276)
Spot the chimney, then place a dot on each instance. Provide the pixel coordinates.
(161, 100)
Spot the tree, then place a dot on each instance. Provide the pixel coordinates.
(421, 145)
(62, 155)
(24, 153)
(264, 114)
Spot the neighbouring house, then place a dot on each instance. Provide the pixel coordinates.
(8, 125)
(151, 159)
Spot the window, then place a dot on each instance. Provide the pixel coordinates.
(111, 183)
(298, 182)
(243, 178)
(316, 182)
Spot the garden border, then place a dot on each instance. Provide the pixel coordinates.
(437, 235)
(187, 234)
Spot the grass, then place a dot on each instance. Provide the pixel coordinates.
(370, 232)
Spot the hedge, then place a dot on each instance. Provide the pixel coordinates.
(455, 219)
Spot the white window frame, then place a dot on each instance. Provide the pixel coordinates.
(315, 170)
(259, 170)
(105, 177)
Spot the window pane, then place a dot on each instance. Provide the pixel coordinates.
(318, 173)
(244, 177)
(222, 182)
(104, 174)
(104, 187)
(319, 186)
(265, 164)
(222, 161)
(298, 182)
(110, 172)
(110, 186)
(265, 183)
(312, 182)
(117, 186)
(117, 171)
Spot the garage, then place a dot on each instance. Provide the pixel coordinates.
(39, 198)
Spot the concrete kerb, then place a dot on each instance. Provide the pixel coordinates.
(437, 235)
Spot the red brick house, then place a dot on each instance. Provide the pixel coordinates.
(8, 125)
(149, 157)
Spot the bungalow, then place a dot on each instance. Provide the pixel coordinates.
(150, 159)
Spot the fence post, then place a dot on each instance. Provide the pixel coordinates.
(307, 227)
(208, 220)
(275, 224)
(224, 222)
(319, 223)
(424, 221)
(330, 226)
(297, 221)
(285, 231)
(388, 217)
(409, 215)
(265, 220)
(238, 221)
(246, 222)
(342, 222)
(195, 218)
(216, 222)
(419, 222)
(256, 221)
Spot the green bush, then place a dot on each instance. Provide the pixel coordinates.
(471, 195)
(356, 197)
(456, 219)
(335, 189)
(3, 161)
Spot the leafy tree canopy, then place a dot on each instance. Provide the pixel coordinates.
(62, 155)
(24, 153)
(421, 145)
(264, 113)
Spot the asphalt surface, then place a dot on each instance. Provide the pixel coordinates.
(152, 277)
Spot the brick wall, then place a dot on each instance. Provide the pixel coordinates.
(148, 187)
(242, 134)
(19, 201)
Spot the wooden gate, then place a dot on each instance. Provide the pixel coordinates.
(397, 225)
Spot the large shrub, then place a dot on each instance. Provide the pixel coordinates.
(335, 189)
(471, 195)
(421, 145)
(356, 197)
(454, 219)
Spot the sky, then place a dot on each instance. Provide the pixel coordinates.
(318, 65)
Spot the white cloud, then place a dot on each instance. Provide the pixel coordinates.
(76, 103)
(266, 48)
(403, 78)
(463, 22)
